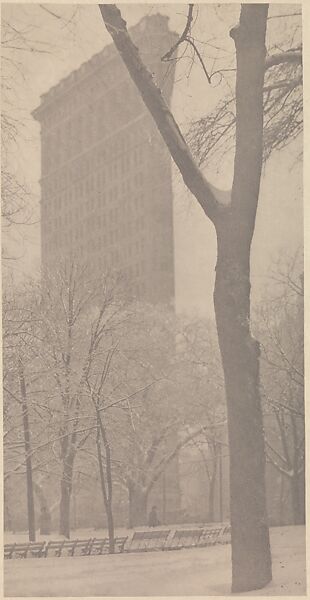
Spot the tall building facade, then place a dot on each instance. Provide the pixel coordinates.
(106, 190)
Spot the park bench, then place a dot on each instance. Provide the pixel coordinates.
(81, 547)
(67, 548)
(76, 547)
(141, 541)
(145, 541)
(101, 545)
(23, 550)
(54, 548)
(185, 538)
(225, 537)
(8, 550)
(210, 536)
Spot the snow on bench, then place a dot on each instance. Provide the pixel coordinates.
(225, 537)
(146, 541)
(67, 548)
(101, 545)
(141, 541)
(24, 550)
(185, 538)
(215, 535)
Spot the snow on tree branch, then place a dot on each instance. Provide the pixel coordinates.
(154, 101)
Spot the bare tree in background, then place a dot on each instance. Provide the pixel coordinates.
(153, 427)
(17, 325)
(17, 199)
(208, 394)
(281, 333)
(16, 204)
(234, 224)
(25, 415)
(70, 307)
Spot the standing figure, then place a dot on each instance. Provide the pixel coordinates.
(153, 518)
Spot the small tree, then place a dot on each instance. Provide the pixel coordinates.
(17, 367)
(281, 332)
(96, 383)
(69, 307)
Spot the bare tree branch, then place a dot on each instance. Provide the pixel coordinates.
(153, 99)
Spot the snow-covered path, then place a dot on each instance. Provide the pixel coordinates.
(195, 572)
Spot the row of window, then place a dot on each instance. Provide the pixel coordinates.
(103, 161)
(117, 223)
(96, 212)
(107, 234)
(84, 130)
(130, 238)
(114, 259)
(84, 199)
(109, 188)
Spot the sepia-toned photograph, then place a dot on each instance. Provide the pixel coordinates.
(153, 300)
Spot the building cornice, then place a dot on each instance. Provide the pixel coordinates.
(99, 61)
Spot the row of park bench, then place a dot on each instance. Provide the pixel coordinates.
(140, 541)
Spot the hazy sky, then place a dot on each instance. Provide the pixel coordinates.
(64, 44)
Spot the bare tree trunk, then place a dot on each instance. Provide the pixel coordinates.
(251, 557)
(137, 506)
(281, 498)
(65, 495)
(7, 520)
(297, 505)
(107, 490)
(107, 498)
(298, 495)
(211, 495)
(221, 484)
(27, 440)
(240, 355)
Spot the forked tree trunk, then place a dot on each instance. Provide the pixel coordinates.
(65, 496)
(251, 558)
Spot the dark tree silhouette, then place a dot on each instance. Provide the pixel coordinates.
(234, 223)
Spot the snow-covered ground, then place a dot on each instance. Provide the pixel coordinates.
(194, 572)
